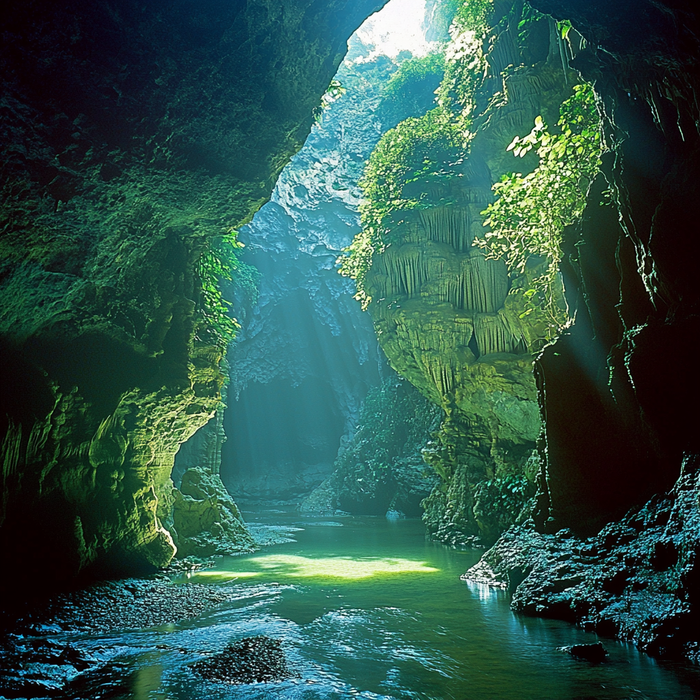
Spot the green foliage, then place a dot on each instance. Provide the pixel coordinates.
(530, 211)
(413, 74)
(498, 503)
(465, 66)
(564, 28)
(334, 92)
(473, 16)
(420, 148)
(219, 262)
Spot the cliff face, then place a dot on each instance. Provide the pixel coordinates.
(620, 388)
(306, 355)
(453, 322)
(132, 134)
(382, 471)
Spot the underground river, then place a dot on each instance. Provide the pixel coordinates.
(368, 608)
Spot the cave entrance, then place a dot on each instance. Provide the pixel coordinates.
(306, 354)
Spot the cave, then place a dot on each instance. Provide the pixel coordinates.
(348, 349)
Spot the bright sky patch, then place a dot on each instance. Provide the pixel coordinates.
(395, 28)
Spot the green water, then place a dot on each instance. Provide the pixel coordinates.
(366, 608)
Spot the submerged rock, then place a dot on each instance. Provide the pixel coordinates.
(595, 653)
(250, 660)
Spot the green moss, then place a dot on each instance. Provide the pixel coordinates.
(464, 325)
(206, 521)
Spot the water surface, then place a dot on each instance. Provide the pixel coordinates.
(366, 608)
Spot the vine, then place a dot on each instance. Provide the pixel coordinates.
(531, 211)
(220, 263)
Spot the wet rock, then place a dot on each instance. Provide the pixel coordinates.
(37, 668)
(117, 605)
(637, 579)
(394, 515)
(35, 665)
(595, 653)
(206, 521)
(250, 660)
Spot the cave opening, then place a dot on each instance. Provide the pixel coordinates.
(446, 448)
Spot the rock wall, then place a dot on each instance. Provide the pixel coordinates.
(619, 389)
(636, 579)
(132, 133)
(382, 471)
(204, 520)
(444, 314)
(306, 355)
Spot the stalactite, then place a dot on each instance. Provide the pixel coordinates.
(484, 284)
(493, 335)
(451, 225)
(514, 328)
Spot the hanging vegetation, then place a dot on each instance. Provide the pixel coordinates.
(424, 150)
(531, 211)
(217, 264)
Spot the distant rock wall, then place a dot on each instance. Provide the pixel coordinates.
(382, 471)
(306, 354)
(131, 134)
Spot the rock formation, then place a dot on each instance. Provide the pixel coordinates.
(133, 134)
(620, 394)
(618, 389)
(305, 355)
(382, 471)
(449, 319)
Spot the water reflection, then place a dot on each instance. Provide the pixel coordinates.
(146, 680)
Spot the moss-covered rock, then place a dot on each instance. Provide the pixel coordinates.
(382, 468)
(133, 136)
(461, 327)
(206, 521)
